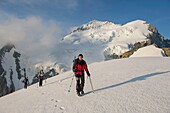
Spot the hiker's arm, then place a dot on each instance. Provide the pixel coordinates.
(86, 69)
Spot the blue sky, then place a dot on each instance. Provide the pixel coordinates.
(71, 13)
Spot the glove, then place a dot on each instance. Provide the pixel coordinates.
(88, 74)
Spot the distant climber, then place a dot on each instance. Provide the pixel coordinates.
(26, 82)
(41, 77)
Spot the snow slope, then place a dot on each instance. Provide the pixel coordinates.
(135, 85)
(149, 51)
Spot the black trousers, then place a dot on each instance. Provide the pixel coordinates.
(25, 85)
(41, 81)
(80, 82)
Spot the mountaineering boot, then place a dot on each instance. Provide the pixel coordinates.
(78, 93)
(82, 92)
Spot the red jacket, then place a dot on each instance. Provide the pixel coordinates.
(79, 67)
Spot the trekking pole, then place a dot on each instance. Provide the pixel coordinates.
(37, 84)
(91, 84)
(45, 80)
(71, 84)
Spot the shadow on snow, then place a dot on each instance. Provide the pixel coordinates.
(140, 78)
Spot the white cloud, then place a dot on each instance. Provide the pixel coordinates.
(31, 35)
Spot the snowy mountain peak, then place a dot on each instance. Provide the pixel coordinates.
(107, 40)
(7, 48)
(12, 63)
(94, 24)
(137, 22)
(97, 23)
(98, 32)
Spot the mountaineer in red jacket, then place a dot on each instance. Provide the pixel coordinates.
(78, 68)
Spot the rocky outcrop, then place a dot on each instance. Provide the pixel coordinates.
(166, 51)
(167, 43)
(4, 89)
(17, 55)
(11, 73)
(135, 47)
(156, 37)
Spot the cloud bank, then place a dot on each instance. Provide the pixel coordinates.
(33, 36)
